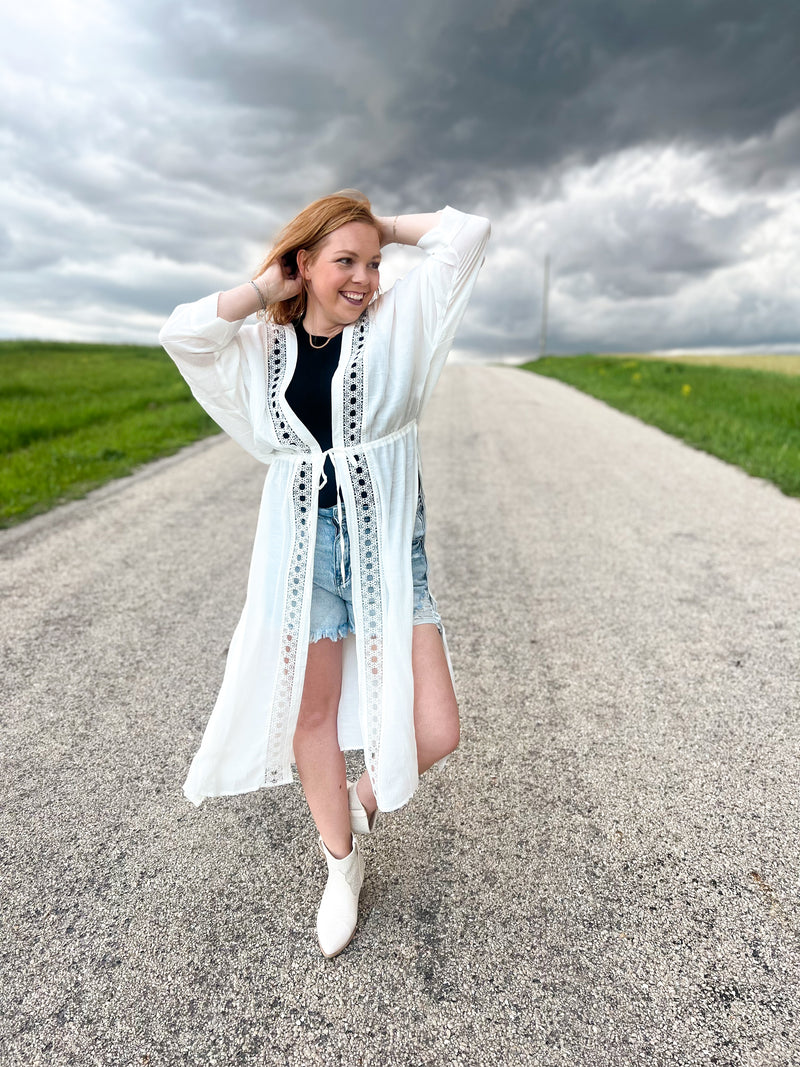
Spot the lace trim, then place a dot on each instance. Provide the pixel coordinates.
(370, 638)
(353, 385)
(285, 699)
(275, 364)
(283, 702)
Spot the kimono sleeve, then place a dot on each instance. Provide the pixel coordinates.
(223, 365)
(430, 300)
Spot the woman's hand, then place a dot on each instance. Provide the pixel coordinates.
(278, 282)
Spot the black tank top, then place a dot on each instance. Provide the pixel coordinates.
(309, 396)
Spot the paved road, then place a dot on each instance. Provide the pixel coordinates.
(605, 874)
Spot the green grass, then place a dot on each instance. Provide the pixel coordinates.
(781, 364)
(74, 416)
(747, 417)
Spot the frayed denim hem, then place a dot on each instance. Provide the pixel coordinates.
(335, 633)
(434, 619)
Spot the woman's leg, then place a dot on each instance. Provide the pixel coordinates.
(436, 722)
(320, 761)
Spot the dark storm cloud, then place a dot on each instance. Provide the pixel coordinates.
(577, 81)
(462, 91)
(651, 147)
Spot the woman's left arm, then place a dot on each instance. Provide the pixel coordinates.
(407, 229)
(454, 243)
(425, 307)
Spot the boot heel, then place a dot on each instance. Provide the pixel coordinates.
(360, 822)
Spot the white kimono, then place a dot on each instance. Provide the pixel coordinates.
(390, 361)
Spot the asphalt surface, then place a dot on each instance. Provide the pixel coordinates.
(605, 873)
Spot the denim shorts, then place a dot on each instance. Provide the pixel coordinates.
(332, 594)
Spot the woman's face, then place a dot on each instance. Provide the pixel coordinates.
(342, 278)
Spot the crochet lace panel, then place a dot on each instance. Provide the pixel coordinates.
(286, 695)
(288, 688)
(275, 361)
(370, 637)
(353, 385)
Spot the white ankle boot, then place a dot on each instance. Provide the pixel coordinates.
(360, 822)
(338, 909)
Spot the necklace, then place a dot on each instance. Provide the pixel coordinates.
(311, 342)
(310, 337)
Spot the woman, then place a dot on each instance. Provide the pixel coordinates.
(339, 645)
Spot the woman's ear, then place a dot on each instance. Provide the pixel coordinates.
(303, 262)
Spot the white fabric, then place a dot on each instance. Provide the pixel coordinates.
(390, 362)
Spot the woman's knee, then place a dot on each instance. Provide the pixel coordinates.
(316, 715)
(449, 737)
(438, 738)
(321, 690)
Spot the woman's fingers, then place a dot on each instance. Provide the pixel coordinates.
(277, 284)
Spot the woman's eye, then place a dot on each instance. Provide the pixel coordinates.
(346, 259)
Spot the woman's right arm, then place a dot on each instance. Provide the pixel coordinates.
(220, 358)
(274, 285)
(217, 359)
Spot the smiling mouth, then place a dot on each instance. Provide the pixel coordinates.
(352, 298)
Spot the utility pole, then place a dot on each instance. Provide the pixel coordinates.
(545, 297)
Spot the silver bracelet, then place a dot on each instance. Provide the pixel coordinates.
(260, 296)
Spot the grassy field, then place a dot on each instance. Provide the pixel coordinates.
(73, 416)
(779, 364)
(750, 417)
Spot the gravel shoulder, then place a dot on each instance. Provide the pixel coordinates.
(604, 874)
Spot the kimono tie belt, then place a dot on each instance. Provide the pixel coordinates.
(329, 453)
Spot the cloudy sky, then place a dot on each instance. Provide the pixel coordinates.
(151, 148)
